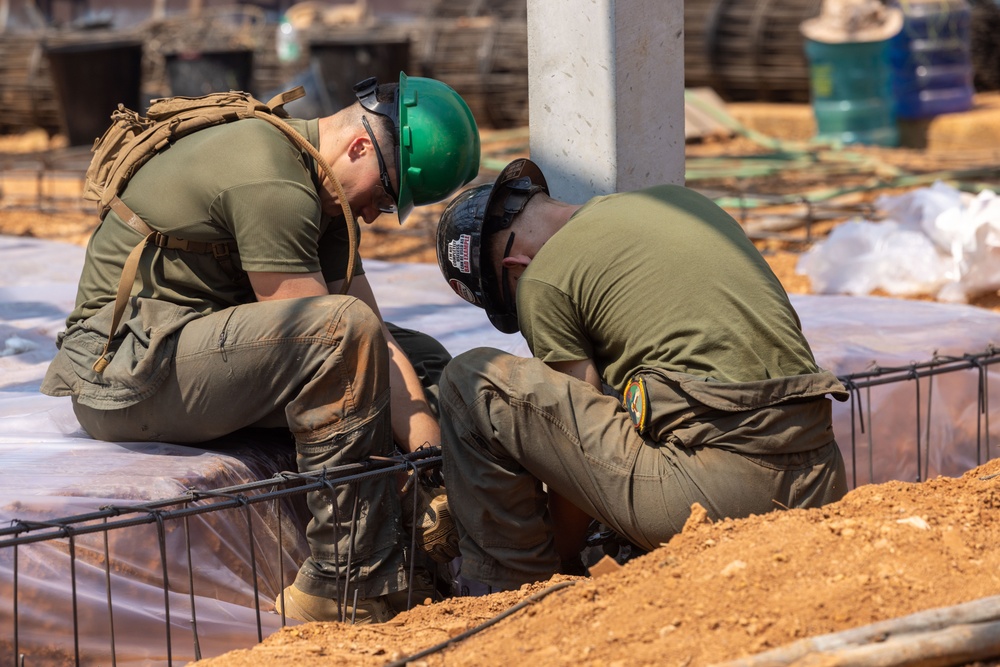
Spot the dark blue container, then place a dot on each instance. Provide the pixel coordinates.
(931, 59)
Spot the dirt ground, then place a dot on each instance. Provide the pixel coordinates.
(714, 593)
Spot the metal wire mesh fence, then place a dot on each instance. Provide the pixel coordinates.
(93, 560)
(936, 432)
(180, 603)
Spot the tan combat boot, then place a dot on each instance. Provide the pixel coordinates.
(305, 607)
(436, 532)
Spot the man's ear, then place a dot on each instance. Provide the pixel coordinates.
(513, 261)
(358, 147)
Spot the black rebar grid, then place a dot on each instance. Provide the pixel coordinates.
(282, 486)
(921, 375)
(285, 485)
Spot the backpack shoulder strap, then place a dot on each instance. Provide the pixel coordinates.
(277, 103)
(179, 124)
(352, 225)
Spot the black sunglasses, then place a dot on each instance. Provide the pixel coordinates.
(387, 202)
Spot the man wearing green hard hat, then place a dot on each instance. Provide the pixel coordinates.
(434, 138)
(249, 308)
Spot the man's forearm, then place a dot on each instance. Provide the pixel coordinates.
(413, 423)
(570, 524)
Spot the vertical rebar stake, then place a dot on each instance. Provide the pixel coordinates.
(916, 380)
(341, 610)
(871, 440)
(194, 613)
(981, 408)
(253, 564)
(107, 584)
(927, 428)
(413, 535)
(72, 583)
(854, 446)
(281, 561)
(350, 550)
(16, 634)
(162, 537)
(986, 402)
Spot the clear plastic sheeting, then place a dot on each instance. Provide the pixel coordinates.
(49, 468)
(935, 240)
(861, 334)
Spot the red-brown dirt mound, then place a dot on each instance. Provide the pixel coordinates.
(718, 591)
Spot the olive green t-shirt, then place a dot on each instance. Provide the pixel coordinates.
(243, 181)
(659, 278)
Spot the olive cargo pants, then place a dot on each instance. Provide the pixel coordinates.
(319, 367)
(510, 424)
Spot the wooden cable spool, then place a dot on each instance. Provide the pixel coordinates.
(748, 50)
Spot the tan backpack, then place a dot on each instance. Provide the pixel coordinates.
(132, 139)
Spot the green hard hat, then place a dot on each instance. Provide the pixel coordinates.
(439, 148)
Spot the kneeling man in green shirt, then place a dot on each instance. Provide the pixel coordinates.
(669, 368)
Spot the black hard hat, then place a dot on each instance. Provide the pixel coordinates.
(468, 222)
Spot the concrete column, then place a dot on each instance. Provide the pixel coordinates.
(606, 94)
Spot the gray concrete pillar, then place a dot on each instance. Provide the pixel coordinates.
(606, 94)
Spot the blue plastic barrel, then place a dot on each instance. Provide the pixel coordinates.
(931, 59)
(851, 91)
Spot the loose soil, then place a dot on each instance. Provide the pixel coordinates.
(716, 592)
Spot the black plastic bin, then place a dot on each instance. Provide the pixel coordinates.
(345, 60)
(193, 74)
(91, 79)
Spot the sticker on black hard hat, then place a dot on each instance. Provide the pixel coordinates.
(463, 291)
(459, 253)
(512, 170)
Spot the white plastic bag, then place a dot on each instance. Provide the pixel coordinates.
(860, 256)
(936, 240)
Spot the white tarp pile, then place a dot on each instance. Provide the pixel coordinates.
(936, 240)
